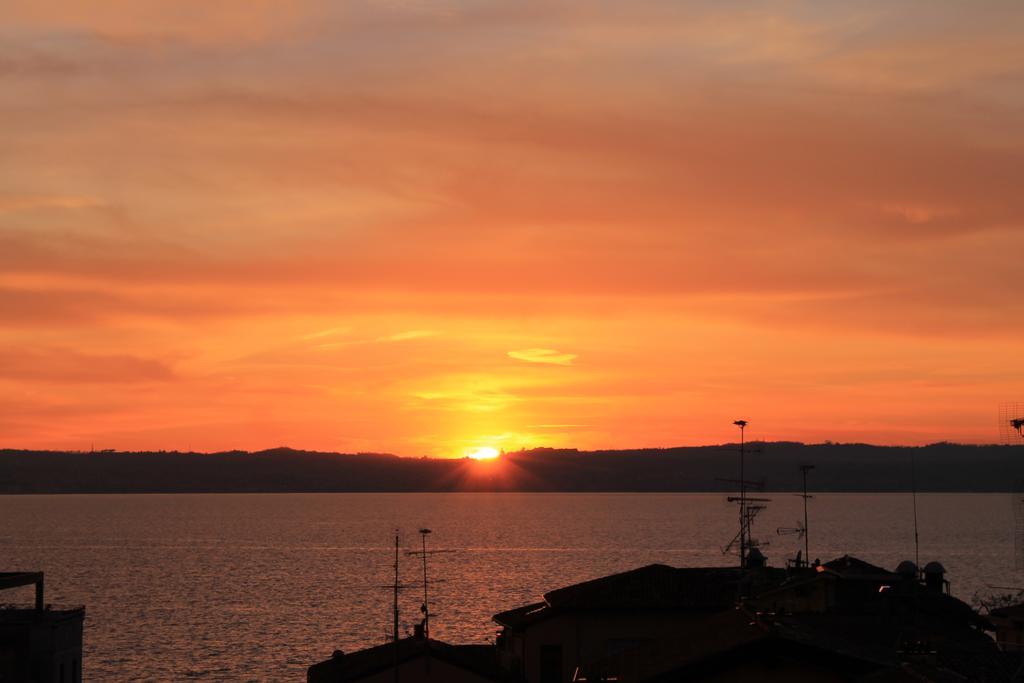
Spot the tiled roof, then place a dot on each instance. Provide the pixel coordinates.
(655, 586)
(522, 616)
(852, 568)
(480, 659)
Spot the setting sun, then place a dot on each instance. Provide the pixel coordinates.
(483, 453)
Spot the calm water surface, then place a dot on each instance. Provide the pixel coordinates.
(258, 587)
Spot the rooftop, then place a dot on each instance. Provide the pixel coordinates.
(653, 587)
(873, 647)
(18, 579)
(480, 659)
(852, 568)
(11, 615)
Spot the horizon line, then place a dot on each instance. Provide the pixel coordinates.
(728, 444)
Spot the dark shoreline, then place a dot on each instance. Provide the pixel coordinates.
(840, 468)
(723, 492)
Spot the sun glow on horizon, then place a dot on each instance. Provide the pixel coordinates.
(483, 453)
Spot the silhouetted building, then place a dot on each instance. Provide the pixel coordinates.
(417, 660)
(839, 621)
(39, 644)
(896, 618)
(545, 642)
(843, 582)
(1009, 627)
(736, 645)
(844, 620)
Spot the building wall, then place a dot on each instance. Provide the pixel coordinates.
(773, 672)
(585, 638)
(814, 596)
(426, 669)
(65, 650)
(41, 646)
(1009, 633)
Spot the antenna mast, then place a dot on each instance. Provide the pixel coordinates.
(804, 469)
(426, 605)
(913, 488)
(1011, 433)
(396, 587)
(749, 507)
(424, 553)
(744, 532)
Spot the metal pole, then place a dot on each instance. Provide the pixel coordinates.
(395, 625)
(913, 486)
(426, 608)
(807, 531)
(743, 499)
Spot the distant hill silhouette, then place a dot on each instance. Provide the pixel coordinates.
(839, 467)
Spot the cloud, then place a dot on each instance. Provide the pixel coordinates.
(66, 366)
(559, 426)
(13, 202)
(228, 22)
(329, 332)
(385, 339)
(549, 356)
(408, 335)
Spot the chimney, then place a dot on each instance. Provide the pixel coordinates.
(934, 578)
(756, 559)
(907, 570)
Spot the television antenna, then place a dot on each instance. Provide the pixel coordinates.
(798, 530)
(1011, 423)
(395, 587)
(749, 507)
(424, 553)
(801, 528)
(913, 490)
(1011, 433)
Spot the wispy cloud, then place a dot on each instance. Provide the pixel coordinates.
(14, 202)
(549, 356)
(329, 332)
(66, 366)
(410, 334)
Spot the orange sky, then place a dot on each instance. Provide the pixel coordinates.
(426, 227)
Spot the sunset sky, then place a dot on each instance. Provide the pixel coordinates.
(430, 226)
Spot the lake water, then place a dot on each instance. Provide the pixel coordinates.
(258, 587)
